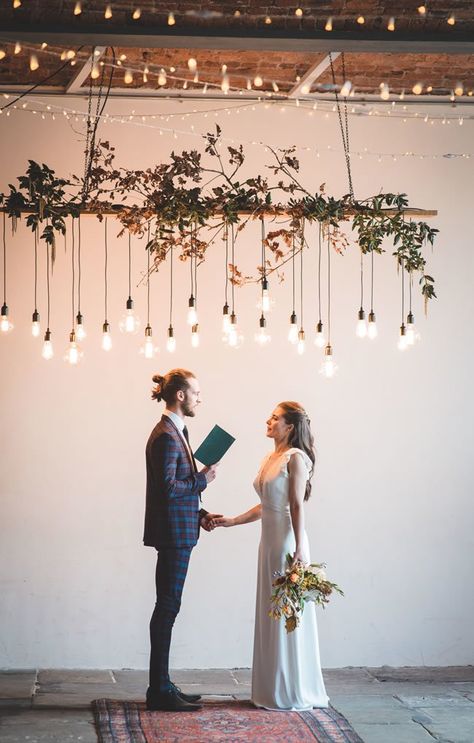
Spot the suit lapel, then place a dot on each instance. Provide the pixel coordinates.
(168, 422)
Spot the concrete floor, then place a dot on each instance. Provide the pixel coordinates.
(385, 705)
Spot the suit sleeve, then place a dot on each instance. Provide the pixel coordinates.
(164, 459)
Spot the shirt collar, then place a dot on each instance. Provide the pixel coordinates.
(175, 418)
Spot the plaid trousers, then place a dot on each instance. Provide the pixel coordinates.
(171, 570)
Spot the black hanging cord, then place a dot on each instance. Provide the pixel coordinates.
(148, 280)
(73, 255)
(105, 268)
(47, 285)
(372, 281)
(329, 287)
(195, 270)
(233, 264)
(171, 284)
(403, 290)
(226, 261)
(361, 279)
(410, 278)
(264, 269)
(4, 261)
(319, 272)
(301, 275)
(129, 265)
(191, 259)
(343, 126)
(293, 272)
(78, 263)
(36, 267)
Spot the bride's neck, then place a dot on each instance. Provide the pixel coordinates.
(281, 446)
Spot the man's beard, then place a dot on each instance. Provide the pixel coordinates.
(188, 410)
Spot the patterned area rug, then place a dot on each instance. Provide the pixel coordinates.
(231, 721)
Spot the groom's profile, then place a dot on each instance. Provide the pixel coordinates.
(172, 521)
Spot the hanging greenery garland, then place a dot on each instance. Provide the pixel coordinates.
(189, 202)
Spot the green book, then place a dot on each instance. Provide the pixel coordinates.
(214, 446)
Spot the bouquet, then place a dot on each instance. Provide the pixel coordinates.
(296, 585)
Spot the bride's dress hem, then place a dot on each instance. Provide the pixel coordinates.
(259, 705)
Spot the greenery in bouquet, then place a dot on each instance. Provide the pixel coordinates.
(295, 586)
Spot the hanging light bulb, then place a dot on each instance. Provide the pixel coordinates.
(233, 337)
(266, 301)
(162, 77)
(328, 368)
(16, 4)
(106, 337)
(391, 24)
(293, 330)
(17, 49)
(47, 352)
(372, 326)
(129, 323)
(301, 342)
(148, 349)
(108, 12)
(384, 91)
(34, 64)
(171, 19)
(73, 354)
(80, 330)
(320, 340)
(171, 342)
(35, 324)
(411, 334)
(451, 20)
(225, 84)
(77, 8)
(192, 64)
(5, 323)
(128, 77)
(192, 314)
(422, 9)
(262, 337)
(225, 319)
(95, 71)
(136, 14)
(417, 88)
(361, 327)
(328, 26)
(195, 335)
(402, 341)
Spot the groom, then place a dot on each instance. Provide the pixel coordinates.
(172, 521)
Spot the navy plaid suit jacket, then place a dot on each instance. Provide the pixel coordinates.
(172, 491)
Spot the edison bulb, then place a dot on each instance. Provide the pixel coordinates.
(171, 342)
(293, 329)
(262, 337)
(402, 341)
(106, 337)
(80, 329)
(73, 353)
(411, 333)
(148, 348)
(5, 323)
(328, 367)
(225, 320)
(35, 329)
(320, 341)
(195, 336)
(372, 326)
(361, 327)
(192, 313)
(301, 342)
(130, 322)
(47, 351)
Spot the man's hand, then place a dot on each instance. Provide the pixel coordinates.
(207, 521)
(222, 521)
(210, 472)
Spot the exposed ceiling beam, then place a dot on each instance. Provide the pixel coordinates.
(75, 85)
(421, 42)
(304, 85)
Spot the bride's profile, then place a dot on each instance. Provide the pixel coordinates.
(286, 670)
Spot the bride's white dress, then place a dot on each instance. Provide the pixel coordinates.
(286, 672)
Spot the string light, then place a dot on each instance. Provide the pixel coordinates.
(451, 20)
(108, 12)
(328, 26)
(192, 64)
(346, 88)
(360, 20)
(384, 91)
(391, 24)
(136, 14)
(298, 12)
(162, 77)
(417, 88)
(268, 20)
(171, 19)
(3, 54)
(77, 8)
(422, 9)
(16, 4)
(128, 77)
(459, 89)
(17, 48)
(34, 64)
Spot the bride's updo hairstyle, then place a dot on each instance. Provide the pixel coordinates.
(301, 436)
(166, 387)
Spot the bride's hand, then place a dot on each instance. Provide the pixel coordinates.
(300, 556)
(223, 521)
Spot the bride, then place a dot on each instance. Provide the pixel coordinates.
(286, 672)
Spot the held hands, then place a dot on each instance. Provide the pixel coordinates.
(210, 472)
(207, 521)
(222, 521)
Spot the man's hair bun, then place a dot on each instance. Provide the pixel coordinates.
(157, 390)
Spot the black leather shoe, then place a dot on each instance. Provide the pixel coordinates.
(170, 701)
(187, 697)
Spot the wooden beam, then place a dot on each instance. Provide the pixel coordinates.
(311, 75)
(270, 211)
(189, 37)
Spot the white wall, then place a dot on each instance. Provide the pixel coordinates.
(392, 508)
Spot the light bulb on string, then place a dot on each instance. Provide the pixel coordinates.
(80, 329)
(148, 349)
(130, 322)
(403, 340)
(293, 329)
(35, 324)
(73, 353)
(233, 334)
(195, 335)
(136, 14)
(411, 332)
(225, 319)
(328, 367)
(106, 335)
(47, 350)
(77, 8)
(262, 337)
(171, 340)
(320, 340)
(6, 325)
(301, 342)
(361, 326)
(265, 302)
(372, 325)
